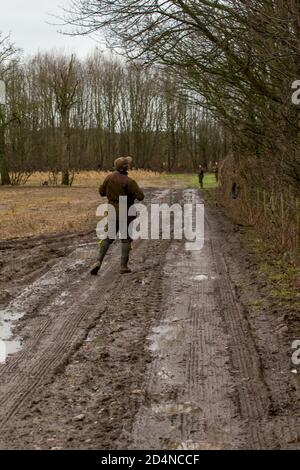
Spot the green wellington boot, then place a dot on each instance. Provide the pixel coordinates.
(126, 248)
(104, 245)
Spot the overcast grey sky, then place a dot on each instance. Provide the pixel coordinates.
(26, 20)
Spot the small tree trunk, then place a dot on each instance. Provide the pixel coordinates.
(4, 174)
(66, 149)
(65, 180)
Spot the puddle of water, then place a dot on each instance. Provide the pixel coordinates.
(175, 408)
(165, 335)
(27, 299)
(203, 277)
(8, 346)
(5, 329)
(86, 245)
(85, 253)
(13, 347)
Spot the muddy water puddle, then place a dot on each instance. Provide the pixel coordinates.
(203, 277)
(31, 296)
(87, 251)
(165, 336)
(175, 409)
(8, 347)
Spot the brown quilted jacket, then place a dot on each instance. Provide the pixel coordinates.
(119, 184)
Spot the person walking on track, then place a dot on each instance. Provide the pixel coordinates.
(119, 184)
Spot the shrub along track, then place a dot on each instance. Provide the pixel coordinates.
(172, 356)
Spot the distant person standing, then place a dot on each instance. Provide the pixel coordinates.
(216, 171)
(234, 186)
(201, 174)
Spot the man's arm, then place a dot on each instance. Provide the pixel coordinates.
(102, 189)
(136, 191)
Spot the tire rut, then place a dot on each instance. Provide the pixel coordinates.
(211, 388)
(63, 327)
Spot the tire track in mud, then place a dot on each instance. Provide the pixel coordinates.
(210, 388)
(253, 395)
(190, 402)
(208, 384)
(264, 389)
(64, 327)
(24, 261)
(56, 339)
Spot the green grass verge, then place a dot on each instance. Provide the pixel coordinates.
(282, 274)
(192, 180)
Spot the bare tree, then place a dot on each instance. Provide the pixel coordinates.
(7, 51)
(238, 57)
(65, 82)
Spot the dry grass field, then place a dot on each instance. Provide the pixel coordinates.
(34, 209)
(92, 179)
(27, 211)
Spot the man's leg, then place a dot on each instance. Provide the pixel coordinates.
(126, 249)
(104, 246)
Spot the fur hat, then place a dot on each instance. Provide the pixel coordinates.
(123, 163)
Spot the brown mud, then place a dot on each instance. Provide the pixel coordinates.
(176, 355)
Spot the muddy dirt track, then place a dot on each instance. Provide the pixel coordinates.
(172, 356)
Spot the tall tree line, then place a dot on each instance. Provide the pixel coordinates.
(239, 57)
(63, 113)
